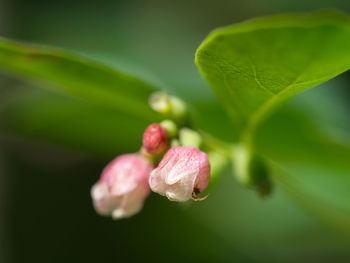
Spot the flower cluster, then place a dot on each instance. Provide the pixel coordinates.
(169, 163)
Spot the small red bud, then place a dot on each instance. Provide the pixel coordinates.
(155, 139)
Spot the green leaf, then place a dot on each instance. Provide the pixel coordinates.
(78, 77)
(73, 123)
(256, 65)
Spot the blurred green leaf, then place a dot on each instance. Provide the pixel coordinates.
(309, 165)
(73, 123)
(256, 65)
(78, 77)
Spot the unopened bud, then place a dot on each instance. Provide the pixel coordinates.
(169, 106)
(170, 127)
(182, 174)
(160, 102)
(155, 139)
(123, 186)
(190, 138)
(178, 109)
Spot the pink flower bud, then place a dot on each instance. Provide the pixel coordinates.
(123, 186)
(183, 173)
(155, 139)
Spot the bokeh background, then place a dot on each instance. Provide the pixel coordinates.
(46, 172)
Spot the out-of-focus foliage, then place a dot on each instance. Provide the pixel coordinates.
(74, 123)
(78, 77)
(310, 166)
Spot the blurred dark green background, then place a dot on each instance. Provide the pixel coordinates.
(45, 207)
